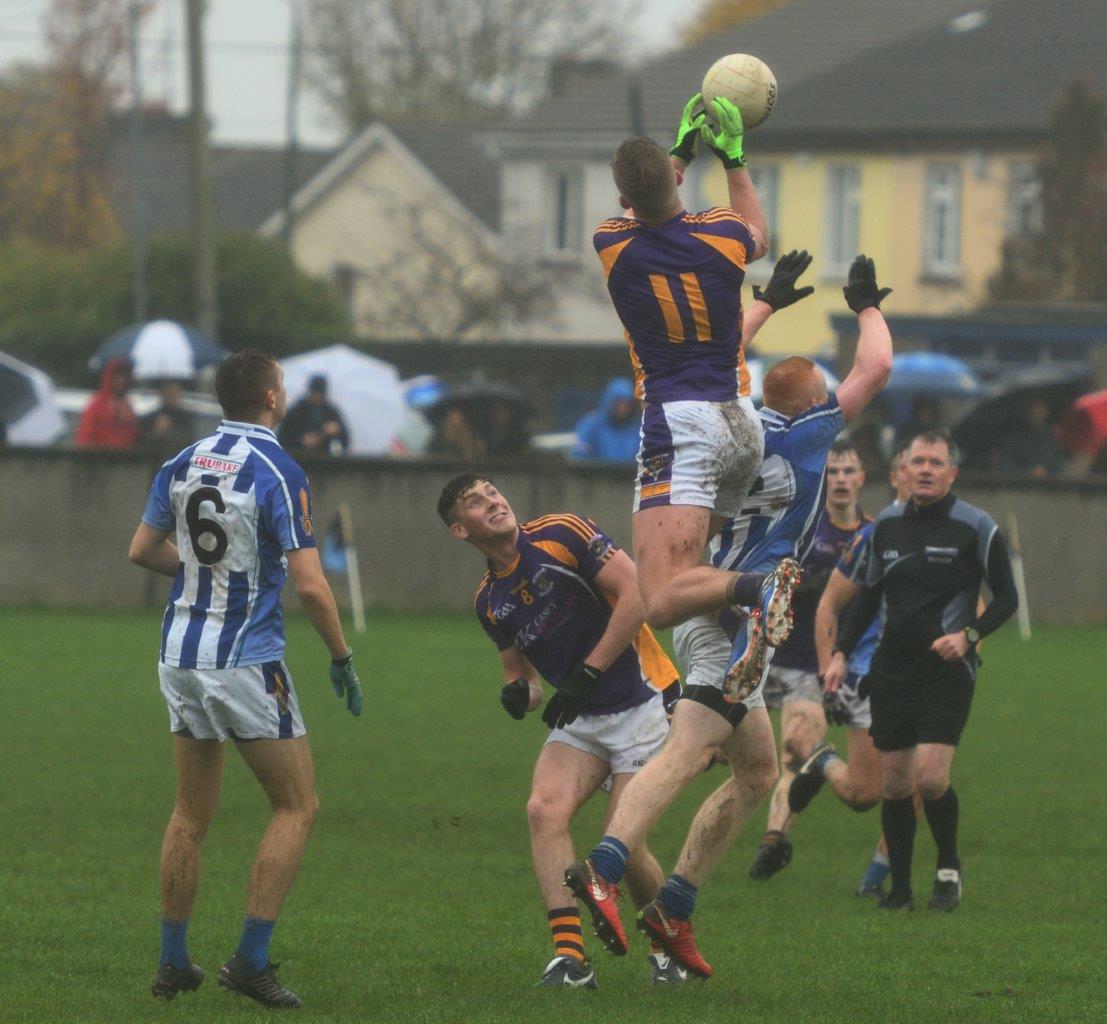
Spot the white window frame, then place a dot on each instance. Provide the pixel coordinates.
(842, 219)
(563, 213)
(942, 221)
(1024, 200)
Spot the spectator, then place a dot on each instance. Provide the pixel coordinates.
(169, 428)
(504, 432)
(455, 437)
(315, 424)
(1032, 445)
(108, 420)
(610, 433)
(924, 417)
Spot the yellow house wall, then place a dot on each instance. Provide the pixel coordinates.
(366, 221)
(891, 231)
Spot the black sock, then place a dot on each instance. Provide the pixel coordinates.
(745, 589)
(898, 819)
(942, 815)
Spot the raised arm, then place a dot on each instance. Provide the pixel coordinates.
(781, 291)
(727, 145)
(872, 363)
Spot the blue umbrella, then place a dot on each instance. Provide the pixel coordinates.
(161, 350)
(932, 373)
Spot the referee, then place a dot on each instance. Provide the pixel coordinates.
(926, 561)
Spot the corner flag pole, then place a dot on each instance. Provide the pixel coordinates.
(357, 601)
(1019, 573)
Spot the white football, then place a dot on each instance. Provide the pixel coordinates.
(744, 80)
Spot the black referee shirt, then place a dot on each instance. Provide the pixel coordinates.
(924, 565)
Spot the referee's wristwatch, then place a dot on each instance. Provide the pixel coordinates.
(972, 634)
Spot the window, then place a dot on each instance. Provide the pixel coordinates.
(843, 218)
(564, 211)
(765, 178)
(942, 221)
(1024, 200)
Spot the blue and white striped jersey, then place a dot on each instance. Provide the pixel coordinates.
(779, 516)
(237, 502)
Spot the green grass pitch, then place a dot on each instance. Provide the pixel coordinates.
(416, 900)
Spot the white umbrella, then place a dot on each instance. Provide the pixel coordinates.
(367, 392)
(27, 404)
(161, 350)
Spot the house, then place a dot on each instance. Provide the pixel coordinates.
(904, 130)
(403, 221)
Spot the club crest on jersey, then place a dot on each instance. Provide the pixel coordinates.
(210, 464)
(305, 508)
(600, 548)
(542, 582)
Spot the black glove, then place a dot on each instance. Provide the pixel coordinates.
(515, 697)
(861, 291)
(564, 706)
(835, 708)
(781, 290)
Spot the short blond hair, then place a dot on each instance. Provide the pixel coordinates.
(645, 177)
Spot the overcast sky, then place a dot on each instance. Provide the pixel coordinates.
(247, 59)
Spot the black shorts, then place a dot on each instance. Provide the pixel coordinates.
(927, 704)
(712, 697)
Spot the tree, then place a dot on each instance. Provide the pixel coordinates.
(58, 305)
(715, 16)
(1066, 260)
(442, 60)
(54, 117)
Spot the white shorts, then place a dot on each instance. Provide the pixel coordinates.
(784, 685)
(702, 651)
(699, 453)
(857, 706)
(626, 740)
(255, 702)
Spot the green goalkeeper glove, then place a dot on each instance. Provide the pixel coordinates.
(690, 123)
(726, 143)
(346, 683)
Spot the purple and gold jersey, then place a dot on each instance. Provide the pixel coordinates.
(676, 289)
(829, 544)
(547, 605)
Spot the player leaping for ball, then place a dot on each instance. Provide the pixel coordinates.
(722, 704)
(674, 278)
(561, 601)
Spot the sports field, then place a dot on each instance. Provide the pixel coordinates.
(416, 900)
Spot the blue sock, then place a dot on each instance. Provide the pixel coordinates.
(610, 859)
(254, 944)
(174, 948)
(877, 871)
(678, 897)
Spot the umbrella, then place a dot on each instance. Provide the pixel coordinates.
(161, 350)
(1084, 428)
(367, 391)
(27, 404)
(933, 373)
(474, 396)
(1002, 411)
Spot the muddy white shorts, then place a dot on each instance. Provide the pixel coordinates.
(626, 740)
(254, 702)
(699, 453)
(858, 706)
(702, 651)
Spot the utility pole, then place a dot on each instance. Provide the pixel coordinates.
(138, 208)
(203, 219)
(292, 117)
